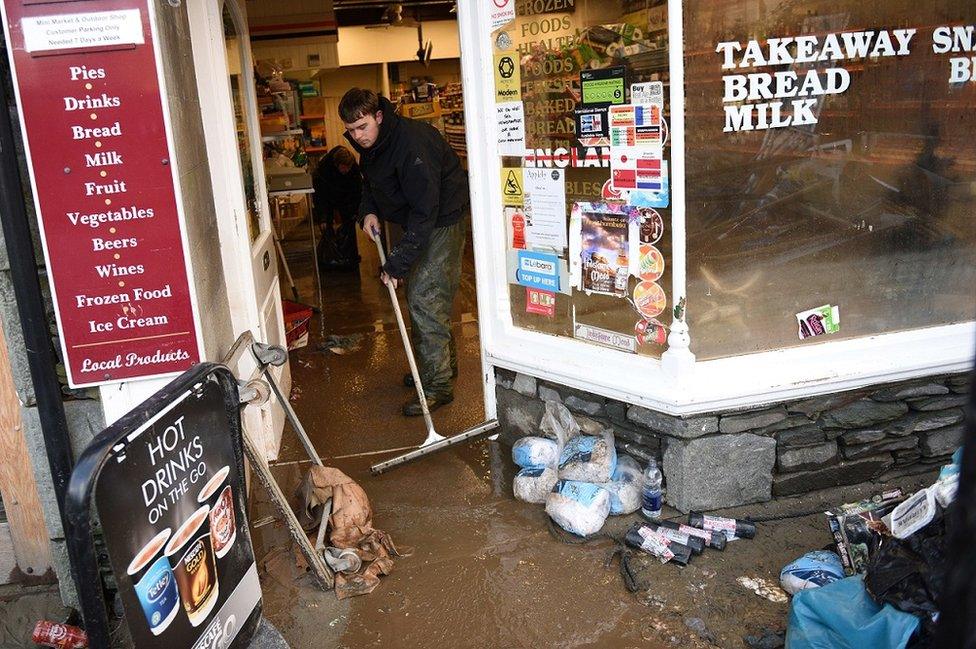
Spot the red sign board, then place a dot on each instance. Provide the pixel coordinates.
(102, 170)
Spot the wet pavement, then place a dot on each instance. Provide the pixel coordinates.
(486, 571)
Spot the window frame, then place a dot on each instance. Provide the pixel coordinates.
(677, 383)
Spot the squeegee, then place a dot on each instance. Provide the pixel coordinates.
(434, 441)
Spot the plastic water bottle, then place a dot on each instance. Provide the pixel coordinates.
(651, 492)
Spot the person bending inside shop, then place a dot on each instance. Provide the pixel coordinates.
(414, 179)
(338, 188)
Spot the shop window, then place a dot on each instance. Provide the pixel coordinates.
(589, 254)
(835, 170)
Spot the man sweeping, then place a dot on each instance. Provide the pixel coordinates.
(414, 179)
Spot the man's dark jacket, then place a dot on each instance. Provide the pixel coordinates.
(414, 178)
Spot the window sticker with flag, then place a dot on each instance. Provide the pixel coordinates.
(635, 125)
(635, 168)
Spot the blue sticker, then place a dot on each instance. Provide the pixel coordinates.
(651, 199)
(538, 270)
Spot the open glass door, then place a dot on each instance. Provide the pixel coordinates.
(268, 325)
(228, 107)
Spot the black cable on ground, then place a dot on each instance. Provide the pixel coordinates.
(783, 517)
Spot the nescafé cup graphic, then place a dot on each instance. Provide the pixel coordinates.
(155, 584)
(191, 555)
(223, 526)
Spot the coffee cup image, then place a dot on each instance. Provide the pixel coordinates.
(191, 555)
(155, 584)
(223, 526)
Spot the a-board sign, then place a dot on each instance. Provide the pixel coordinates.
(170, 497)
(89, 85)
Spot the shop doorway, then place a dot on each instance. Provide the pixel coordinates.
(225, 81)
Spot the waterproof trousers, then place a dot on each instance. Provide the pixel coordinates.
(431, 286)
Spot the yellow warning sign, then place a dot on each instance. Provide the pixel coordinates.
(512, 194)
(508, 77)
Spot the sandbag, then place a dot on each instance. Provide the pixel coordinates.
(624, 486)
(812, 570)
(533, 452)
(580, 508)
(533, 485)
(842, 615)
(588, 458)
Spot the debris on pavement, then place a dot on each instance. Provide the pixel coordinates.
(61, 636)
(643, 536)
(714, 540)
(624, 486)
(769, 639)
(812, 570)
(697, 625)
(342, 344)
(896, 548)
(588, 458)
(350, 528)
(731, 527)
(763, 588)
(842, 615)
(858, 528)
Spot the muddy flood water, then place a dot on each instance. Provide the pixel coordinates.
(485, 569)
(486, 572)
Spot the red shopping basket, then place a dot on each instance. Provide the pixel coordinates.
(297, 319)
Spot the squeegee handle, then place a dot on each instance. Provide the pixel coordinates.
(406, 341)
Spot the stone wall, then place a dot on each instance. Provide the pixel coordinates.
(730, 458)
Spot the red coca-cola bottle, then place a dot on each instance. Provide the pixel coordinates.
(61, 636)
(518, 231)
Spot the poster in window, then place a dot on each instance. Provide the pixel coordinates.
(605, 245)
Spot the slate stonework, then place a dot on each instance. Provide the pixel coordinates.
(769, 451)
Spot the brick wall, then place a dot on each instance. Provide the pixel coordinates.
(723, 459)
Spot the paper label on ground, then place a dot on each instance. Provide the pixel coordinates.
(510, 117)
(719, 524)
(655, 544)
(545, 208)
(78, 31)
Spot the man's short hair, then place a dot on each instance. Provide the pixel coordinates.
(357, 103)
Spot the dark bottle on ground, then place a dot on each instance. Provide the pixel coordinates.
(643, 537)
(731, 526)
(714, 540)
(696, 543)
